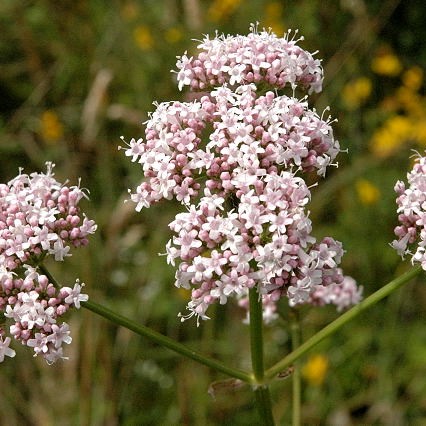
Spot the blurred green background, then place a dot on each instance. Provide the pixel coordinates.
(76, 75)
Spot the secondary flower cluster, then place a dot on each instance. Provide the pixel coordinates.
(39, 217)
(411, 203)
(265, 239)
(232, 158)
(256, 58)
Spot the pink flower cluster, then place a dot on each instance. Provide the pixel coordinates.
(39, 217)
(232, 158)
(411, 211)
(34, 305)
(259, 57)
(251, 136)
(264, 241)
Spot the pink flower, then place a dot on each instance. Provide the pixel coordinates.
(74, 295)
(60, 334)
(4, 348)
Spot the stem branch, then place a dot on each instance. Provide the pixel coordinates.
(165, 341)
(341, 321)
(156, 337)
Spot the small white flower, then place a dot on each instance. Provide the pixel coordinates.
(4, 348)
(74, 295)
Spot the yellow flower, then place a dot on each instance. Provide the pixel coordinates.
(396, 131)
(51, 128)
(221, 9)
(413, 78)
(173, 35)
(356, 92)
(410, 101)
(143, 37)
(386, 64)
(367, 192)
(315, 369)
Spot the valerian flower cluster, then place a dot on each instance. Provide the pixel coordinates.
(233, 157)
(39, 217)
(411, 211)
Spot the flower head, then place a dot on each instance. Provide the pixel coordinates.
(259, 57)
(234, 158)
(411, 202)
(39, 217)
(34, 307)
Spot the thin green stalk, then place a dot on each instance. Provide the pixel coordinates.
(261, 391)
(341, 321)
(256, 335)
(165, 341)
(296, 379)
(158, 338)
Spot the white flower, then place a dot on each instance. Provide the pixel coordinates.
(4, 348)
(59, 250)
(74, 295)
(59, 335)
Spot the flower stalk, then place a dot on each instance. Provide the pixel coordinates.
(261, 391)
(338, 323)
(165, 341)
(263, 403)
(156, 337)
(256, 335)
(296, 379)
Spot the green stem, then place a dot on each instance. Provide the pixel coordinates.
(158, 338)
(263, 403)
(341, 321)
(256, 335)
(261, 391)
(165, 341)
(296, 379)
